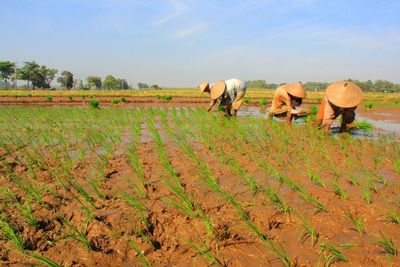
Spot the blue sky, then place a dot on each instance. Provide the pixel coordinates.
(182, 42)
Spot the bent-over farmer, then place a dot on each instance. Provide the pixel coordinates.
(229, 93)
(286, 98)
(341, 98)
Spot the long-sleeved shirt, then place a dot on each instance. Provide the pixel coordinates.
(280, 101)
(328, 113)
(233, 87)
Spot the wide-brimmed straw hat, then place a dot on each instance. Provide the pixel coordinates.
(296, 89)
(217, 89)
(203, 86)
(344, 94)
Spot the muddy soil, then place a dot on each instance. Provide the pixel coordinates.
(170, 236)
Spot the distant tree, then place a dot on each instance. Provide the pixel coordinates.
(110, 82)
(26, 73)
(315, 86)
(43, 76)
(7, 69)
(155, 86)
(142, 85)
(94, 81)
(256, 84)
(66, 79)
(123, 84)
(383, 86)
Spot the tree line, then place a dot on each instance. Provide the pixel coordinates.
(40, 76)
(367, 86)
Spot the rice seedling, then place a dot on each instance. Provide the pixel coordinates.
(263, 102)
(358, 222)
(49, 98)
(94, 103)
(76, 234)
(367, 193)
(27, 212)
(331, 254)
(114, 101)
(43, 260)
(316, 179)
(393, 216)
(205, 252)
(142, 257)
(348, 245)
(89, 199)
(387, 245)
(139, 207)
(339, 191)
(308, 230)
(123, 99)
(368, 106)
(10, 233)
(396, 165)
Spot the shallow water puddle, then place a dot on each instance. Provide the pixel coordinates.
(385, 125)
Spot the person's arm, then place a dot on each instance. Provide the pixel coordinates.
(329, 117)
(212, 103)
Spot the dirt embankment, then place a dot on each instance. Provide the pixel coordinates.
(142, 101)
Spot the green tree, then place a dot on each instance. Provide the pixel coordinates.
(26, 73)
(94, 81)
(7, 69)
(66, 79)
(110, 82)
(43, 76)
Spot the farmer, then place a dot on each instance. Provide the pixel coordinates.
(286, 98)
(229, 94)
(341, 98)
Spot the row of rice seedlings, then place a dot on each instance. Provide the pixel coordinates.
(304, 194)
(273, 196)
(138, 168)
(205, 135)
(187, 203)
(212, 183)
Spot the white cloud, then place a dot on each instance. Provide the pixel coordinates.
(189, 31)
(179, 8)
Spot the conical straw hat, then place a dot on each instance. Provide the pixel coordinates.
(344, 94)
(217, 89)
(203, 86)
(296, 89)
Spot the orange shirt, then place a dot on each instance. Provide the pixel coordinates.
(280, 101)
